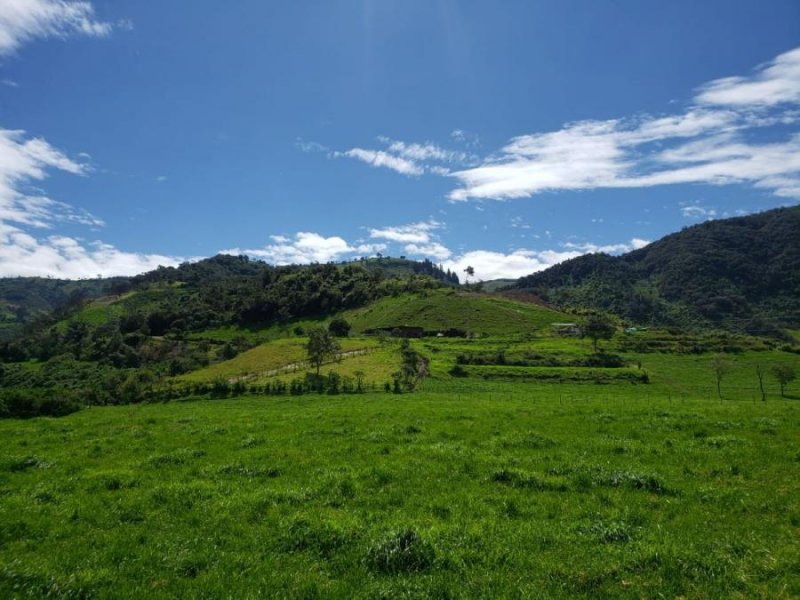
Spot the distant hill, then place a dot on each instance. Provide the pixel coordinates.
(740, 274)
(24, 299)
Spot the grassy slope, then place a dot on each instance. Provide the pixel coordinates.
(268, 357)
(477, 313)
(518, 495)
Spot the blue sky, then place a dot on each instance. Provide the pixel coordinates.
(507, 136)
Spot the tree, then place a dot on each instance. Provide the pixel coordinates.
(321, 346)
(598, 327)
(760, 375)
(339, 327)
(784, 374)
(359, 380)
(470, 271)
(720, 366)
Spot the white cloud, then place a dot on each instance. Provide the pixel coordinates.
(379, 158)
(25, 20)
(423, 152)
(307, 247)
(414, 233)
(711, 143)
(431, 250)
(403, 157)
(23, 255)
(719, 139)
(698, 212)
(588, 247)
(496, 265)
(24, 160)
(774, 83)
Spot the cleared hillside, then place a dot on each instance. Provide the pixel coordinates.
(440, 310)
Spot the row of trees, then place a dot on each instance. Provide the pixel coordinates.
(783, 374)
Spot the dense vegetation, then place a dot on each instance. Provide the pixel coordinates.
(740, 274)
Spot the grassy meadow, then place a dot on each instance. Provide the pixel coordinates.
(504, 492)
(524, 466)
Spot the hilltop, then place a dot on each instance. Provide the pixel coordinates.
(740, 274)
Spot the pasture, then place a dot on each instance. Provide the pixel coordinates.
(463, 490)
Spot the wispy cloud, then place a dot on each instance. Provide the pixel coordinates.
(25, 20)
(380, 158)
(725, 136)
(713, 142)
(695, 211)
(776, 82)
(407, 158)
(24, 160)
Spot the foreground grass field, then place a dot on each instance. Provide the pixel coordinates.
(499, 490)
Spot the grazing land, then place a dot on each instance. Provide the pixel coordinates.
(473, 486)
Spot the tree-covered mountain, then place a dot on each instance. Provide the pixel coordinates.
(740, 274)
(24, 299)
(140, 317)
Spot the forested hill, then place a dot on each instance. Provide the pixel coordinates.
(28, 300)
(741, 274)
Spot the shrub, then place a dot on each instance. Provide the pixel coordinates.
(458, 371)
(339, 327)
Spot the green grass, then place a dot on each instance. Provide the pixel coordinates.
(502, 491)
(444, 309)
(514, 481)
(265, 360)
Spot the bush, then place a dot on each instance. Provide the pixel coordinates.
(458, 371)
(339, 327)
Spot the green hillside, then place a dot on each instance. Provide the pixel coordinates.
(440, 310)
